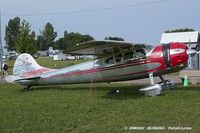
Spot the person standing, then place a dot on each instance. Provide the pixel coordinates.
(4, 69)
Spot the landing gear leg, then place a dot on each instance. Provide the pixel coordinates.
(163, 80)
(153, 89)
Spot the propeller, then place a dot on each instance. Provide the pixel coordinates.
(191, 52)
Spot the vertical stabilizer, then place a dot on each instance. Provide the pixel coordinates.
(25, 63)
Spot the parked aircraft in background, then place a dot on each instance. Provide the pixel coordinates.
(115, 61)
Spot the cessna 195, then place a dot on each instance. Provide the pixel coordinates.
(115, 61)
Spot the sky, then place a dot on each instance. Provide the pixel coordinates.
(138, 21)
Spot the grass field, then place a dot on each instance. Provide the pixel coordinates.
(66, 108)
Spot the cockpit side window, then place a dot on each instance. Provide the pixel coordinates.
(140, 53)
(136, 54)
(128, 55)
(113, 60)
(118, 58)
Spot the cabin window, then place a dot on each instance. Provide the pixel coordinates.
(128, 55)
(118, 58)
(140, 53)
(109, 60)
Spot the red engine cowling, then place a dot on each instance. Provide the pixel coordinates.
(178, 55)
(171, 56)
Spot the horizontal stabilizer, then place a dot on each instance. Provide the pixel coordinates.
(31, 78)
(12, 78)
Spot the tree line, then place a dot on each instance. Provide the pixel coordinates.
(21, 38)
(180, 30)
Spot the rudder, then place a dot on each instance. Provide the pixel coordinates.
(25, 63)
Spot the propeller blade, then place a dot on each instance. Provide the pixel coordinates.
(191, 52)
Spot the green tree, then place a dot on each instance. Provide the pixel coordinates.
(11, 32)
(180, 30)
(39, 42)
(114, 38)
(47, 37)
(61, 43)
(71, 39)
(33, 35)
(25, 39)
(75, 38)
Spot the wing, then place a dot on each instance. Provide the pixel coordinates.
(104, 48)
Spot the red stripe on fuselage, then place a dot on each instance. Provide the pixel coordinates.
(36, 72)
(130, 63)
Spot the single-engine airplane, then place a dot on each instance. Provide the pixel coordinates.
(115, 61)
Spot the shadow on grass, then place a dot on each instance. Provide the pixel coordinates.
(123, 93)
(112, 91)
(95, 86)
(53, 87)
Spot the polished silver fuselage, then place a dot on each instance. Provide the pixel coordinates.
(129, 64)
(96, 71)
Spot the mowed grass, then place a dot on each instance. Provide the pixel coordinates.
(69, 108)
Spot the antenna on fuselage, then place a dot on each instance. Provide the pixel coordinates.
(1, 47)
